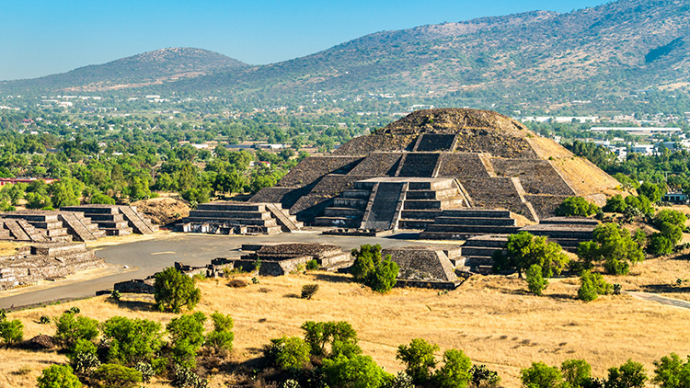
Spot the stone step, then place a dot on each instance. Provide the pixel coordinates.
(364, 186)
(32, 217)
(477, 213)
(473, 229)
(421, 214)
(432, 185)
(288, 222)
(361, 194)
(47, 225)
(475, 261)
(112, 225)
(56, 232)
(564, 233)
(95, 217)
(231, 221)
(486, 242)
(239, 206)
(569, 221)
(265, 215)
(118, 231)
(355, 203)
(340, 222)
(343, 212)
(479, 251)
(136, 221)
(475, 221)
(420, 224)
(416, 204)
(106, 209)
(431, 194)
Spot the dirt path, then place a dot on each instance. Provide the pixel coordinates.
(646, 296)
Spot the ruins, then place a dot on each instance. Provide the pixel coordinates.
(231, 217)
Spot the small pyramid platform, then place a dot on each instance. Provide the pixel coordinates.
(231, 217)
(115, 220)
(406, 174)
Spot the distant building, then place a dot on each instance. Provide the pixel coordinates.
(11, 181)
(676, 197)
(645, 149)
(640, 131)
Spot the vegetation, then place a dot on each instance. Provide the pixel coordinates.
(576, 207)
(613, 246)
(174, 290)
(535, 281)
(370, 270)
(592, 285)
(309, 290)
(187, 337)
(58, 376)
(116, 376)
(11, 331)
(70, 329)
(131, 341)
(220, 339)
(524, 250)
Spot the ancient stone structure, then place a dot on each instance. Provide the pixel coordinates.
(406, 174)
(115, 220)
(230, 217)
(428, 267)
(45, 261)
(50, 225)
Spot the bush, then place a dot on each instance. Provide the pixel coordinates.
(524, 249)
(418, 358)
(116, 295)
(659, 244)
(220, 339)
(185, 377)
(237, 283)
(576, 207)
(484, 377)
(290, 353)
(146, 371)
(629, 375)
(71, 329)
(456, 370)
(174, 290)
(355, 372)
(132, 340)
(44, 320)
(116, 376)
(309, 290)
(370, 270)
(11, 332)
(576, 373)
(535, 281)
(85, 361)
(541, 375)
(312, 265)
(613, 246)
(672, 372)
(58, 376)
(615, 204)
(341, 337)
(592, 285)
(187, 337)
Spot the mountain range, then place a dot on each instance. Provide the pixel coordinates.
(617, 47)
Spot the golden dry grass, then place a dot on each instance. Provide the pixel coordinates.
(491, 318)
(8, 248)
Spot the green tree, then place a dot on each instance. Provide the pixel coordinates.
(70, 328)
(651, 191)
(613, 246)
(320, 334)
(418, 358)
(132, 340)
(629, 375)
(100, 198)
(290, 353)
(592, 285)
(672, 372)
(615, 204)
(116, 376)
(11, 332)
(220, 339)
(576, 207)
(370, 270)
(540, 375)
(524, 250)
(659, 244)
(455, 372)
(187, 335)
(174, 290)
(58, 376)
(535, 281)
(576, 373)
(354, 372)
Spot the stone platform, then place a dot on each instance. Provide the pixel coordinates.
(115, 220)
(230, 217)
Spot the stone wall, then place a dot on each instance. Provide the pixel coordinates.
(378, 164)
(461, 165)
(364, 145)
(313, 168)
(536, 176)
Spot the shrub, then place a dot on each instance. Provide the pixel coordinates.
(484, 377)
(309, 290)
(659, 244)
(85, 361)
(187, 337)
(44, 320)
(418, 358)
(613, 246)
(615, 204)
(576, 207)
(672, 372)
(355, 372)
(116, 295)
(70, 329)
(290, 353)
(132, 340)
(540, 375)
(535, 281)
(523, 250)
(629, 375)
(312, 265)
(592, 285)
(174, 290)
(339, 335)
(58, 376)
(146, 371)
(116, 376)
(456, 370)
(185, 377)
(237, 283)
(370, 270)
(220, 339)
(75, 310)
(576, 373)
(11, 332)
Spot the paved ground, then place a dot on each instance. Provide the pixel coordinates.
(660, 299)
(147, 257)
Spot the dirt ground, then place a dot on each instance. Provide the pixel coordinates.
(163, 210)
(492, 319)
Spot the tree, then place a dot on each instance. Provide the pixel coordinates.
(320, 334)
(523, 250)
(455, 372)
(70, 328)
(672, 372)
(658, 244)
(576, 207)
(592, 285)
(290, 353)
(116, 376)
(11, 332)
(174, 290)
(370, 270)
(132, 340)
(220, 339)
(100, 198)
(540, 375)
(613, 246)
(418, 358)
(63, 194)
(576, 373)
(629, 375)
(187, 335)
(535, 281)
(483, 377)
(354, 372)
(651, 191)
(58, 376)
(615, 204)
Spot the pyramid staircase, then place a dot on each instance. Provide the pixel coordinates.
(569, 232)
(477, 252)
(20, 230)
(230, 217)
(460, 224)
(115, 220)
(40, 225)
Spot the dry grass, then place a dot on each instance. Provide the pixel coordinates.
(8, 248)
(491, 318)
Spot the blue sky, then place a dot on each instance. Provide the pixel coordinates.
(41, 37)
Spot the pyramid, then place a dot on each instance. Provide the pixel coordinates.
(405, 174)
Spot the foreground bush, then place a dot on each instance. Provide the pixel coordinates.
(11, 332)
(220, 339)
(71, 329)
(592, 285)
(116, 376)
(58, 376)
(173, 290)
(132, 340)
(369, 269)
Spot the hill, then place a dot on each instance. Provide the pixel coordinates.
(145, 69)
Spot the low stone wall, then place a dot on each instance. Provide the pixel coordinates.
(135, 286)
